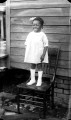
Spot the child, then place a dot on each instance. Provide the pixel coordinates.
(36, 50)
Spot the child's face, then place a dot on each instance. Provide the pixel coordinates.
(37, 26)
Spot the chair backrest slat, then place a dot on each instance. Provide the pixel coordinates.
(51, 67)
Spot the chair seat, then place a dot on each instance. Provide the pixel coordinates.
(44, 87)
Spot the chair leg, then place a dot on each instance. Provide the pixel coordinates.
(18, 104)
(48, 97)
(52, 96)
(44, 106)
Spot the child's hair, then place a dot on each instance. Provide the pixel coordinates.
(40, 20)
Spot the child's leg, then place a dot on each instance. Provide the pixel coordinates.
(40, 73)
(32, 74)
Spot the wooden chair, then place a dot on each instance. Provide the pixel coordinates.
(41, 96)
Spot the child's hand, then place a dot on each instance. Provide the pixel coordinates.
(42, 57)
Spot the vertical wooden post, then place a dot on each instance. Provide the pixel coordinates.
(70, 39)
(8, 30)
(69, 104)
(2, 28)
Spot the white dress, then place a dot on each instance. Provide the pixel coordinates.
(35, 43)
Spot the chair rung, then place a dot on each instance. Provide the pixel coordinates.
(33, 105)
(28, 96)
(30, 101)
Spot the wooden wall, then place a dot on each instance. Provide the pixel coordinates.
(56, 27)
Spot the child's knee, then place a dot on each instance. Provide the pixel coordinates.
(39, 66)
(33, 66)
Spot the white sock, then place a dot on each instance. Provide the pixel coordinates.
(32, 80)
(39, 81)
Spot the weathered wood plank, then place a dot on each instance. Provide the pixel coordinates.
(17, 51)
(47, 29)
(19, 44)
(21, 51)
(8, 31)
(51, 37)
(63, 47)
(49, 20)
(64, 64)
(64, 55)
(20, 65)
(61, 63)
(20, 59)
(18, 36)
(17, 59)
(63, 72)
(18, 4)
(60, 38)
(40, 12)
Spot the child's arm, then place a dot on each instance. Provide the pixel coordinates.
(44, 52)
(45, 44)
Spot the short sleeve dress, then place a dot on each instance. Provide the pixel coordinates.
(35, 43)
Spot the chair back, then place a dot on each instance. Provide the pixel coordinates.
(49, 69)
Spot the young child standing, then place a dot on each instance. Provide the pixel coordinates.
(36, 50)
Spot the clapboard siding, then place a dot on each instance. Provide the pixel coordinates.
(40, 12)
(20, 58)
(62, 38)
(60, 71)
(49, 20)
(56, 27)
(39, 4)
(20, 65)
(21, 51)
(63, 47)
(62, 2)
(47, 29)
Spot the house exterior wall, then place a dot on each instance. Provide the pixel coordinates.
(56, 15)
